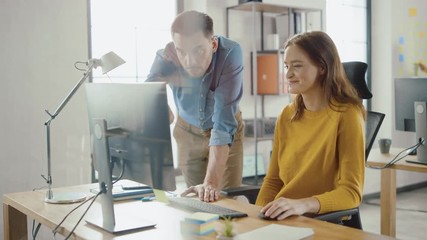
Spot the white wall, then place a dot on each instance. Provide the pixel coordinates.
(389, 23)
(386, 16)
(410, 25)
(40, 41)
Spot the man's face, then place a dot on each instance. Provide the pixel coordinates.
(195, 52)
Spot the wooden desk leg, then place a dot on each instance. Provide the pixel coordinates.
(14, 223)
(388, 202)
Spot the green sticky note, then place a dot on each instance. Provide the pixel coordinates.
(161, 196)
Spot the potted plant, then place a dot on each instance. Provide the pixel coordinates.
(227, 231)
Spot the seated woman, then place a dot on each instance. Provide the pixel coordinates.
(318, 157)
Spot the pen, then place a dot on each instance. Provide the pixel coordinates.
(147, 199)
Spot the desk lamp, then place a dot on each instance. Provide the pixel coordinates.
(107, 62)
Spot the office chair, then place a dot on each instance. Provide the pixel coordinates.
(372, 126)
(351, 217)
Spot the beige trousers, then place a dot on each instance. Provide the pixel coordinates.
(193, 154)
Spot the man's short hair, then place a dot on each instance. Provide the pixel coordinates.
(190, 22)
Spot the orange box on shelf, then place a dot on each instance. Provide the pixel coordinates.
(270, 75)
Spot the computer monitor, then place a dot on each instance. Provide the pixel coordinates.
(130, 138)
(410, 95)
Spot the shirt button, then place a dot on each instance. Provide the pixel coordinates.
(200, 110)
(201, 95)
(201, 119)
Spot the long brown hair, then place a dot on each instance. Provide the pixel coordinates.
(322, 51)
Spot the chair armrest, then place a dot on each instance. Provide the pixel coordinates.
(249, 191)
(335, 217)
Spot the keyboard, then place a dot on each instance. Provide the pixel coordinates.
(194, 204)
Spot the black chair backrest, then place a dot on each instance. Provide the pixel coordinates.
(355, 72)
(373, 124)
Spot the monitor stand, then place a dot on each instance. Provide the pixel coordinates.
(110, 220)
(421, 132)
(124, 221)
(417, 162)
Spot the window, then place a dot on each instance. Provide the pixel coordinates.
(347, 22)
(134, 29)
(350, 35)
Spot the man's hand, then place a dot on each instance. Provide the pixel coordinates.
(205, 193)
(423, 67)
(171, 116)
(209, 190)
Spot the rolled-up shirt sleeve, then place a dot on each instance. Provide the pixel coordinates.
(165, 64)
(227, 96)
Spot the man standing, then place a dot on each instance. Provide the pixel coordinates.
(204, 72)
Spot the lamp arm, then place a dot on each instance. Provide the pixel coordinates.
(49, 194)
(70, 94)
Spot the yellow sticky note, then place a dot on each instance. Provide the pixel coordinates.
(412, 12)
(160, 196)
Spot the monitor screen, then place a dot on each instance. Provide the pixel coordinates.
(130, 139)
(406, 92)
(410, 95)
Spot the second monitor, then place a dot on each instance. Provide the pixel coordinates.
(410, 95)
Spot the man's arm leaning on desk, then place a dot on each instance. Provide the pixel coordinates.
(209, 190)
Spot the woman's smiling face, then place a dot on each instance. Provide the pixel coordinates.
(300, 72)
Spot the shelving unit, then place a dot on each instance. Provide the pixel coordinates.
(295, 20)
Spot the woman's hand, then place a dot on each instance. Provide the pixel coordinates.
(282, 208)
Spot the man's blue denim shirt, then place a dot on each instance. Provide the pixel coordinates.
(209, 102)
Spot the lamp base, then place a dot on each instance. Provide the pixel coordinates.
(66, 197)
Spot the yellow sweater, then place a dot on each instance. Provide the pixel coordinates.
(320, 155)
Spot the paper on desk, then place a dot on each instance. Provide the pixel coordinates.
(276, 231)
(160, 196)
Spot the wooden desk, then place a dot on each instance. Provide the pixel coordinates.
(18, 206)
(388, 184)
